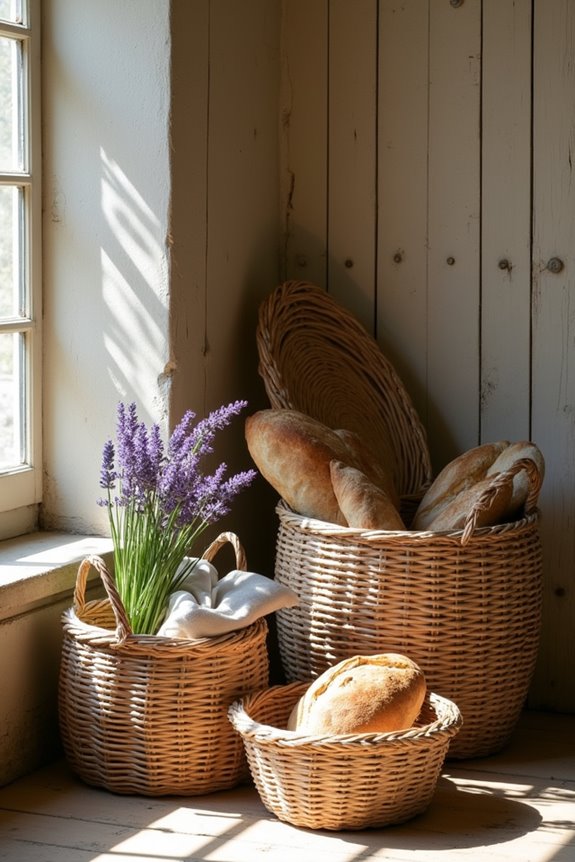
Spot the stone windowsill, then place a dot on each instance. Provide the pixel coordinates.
(38, 568)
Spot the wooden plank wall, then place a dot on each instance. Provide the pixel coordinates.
(427, 180)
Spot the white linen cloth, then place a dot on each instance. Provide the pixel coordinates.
(207, 606)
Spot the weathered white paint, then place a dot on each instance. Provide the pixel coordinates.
(304, 123)
(352, 180)
(453, 228)
(402, 195)
(553, 318)
(106, 276)
(506, 220)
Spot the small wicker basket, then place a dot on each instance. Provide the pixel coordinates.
(465, 606)
(342, 782)
(147, 714)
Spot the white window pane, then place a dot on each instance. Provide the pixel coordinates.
(11, 11)
(12, 302)
(11, 388)
(11, 119)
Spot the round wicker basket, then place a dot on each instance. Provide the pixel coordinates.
(147, 714)
(315, 357)
(342, 782)
(465, 606)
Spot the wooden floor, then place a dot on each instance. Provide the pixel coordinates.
(518, 805)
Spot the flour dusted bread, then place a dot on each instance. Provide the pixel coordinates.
(363, 504)
(460, 474)
(363, 694)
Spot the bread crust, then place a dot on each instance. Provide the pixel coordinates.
(456, 513)
(363, 694)
(507, 459)
(377, 469)
(292, 452)
(363, 504)
(461, 473)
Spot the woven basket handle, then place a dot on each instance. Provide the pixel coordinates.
(219, 542)
(123, 628)
(500, 479)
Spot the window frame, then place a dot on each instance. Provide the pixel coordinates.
(21, 487)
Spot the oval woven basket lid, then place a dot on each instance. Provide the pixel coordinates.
(316, 357)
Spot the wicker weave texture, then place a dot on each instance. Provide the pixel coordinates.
(317, 358)
(146, 714)
(468, 613)
(344, 782)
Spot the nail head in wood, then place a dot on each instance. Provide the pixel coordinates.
(555, 264)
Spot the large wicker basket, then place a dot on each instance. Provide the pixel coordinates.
(314, 356)
(342, 782)
(466, 606)
(147, 714)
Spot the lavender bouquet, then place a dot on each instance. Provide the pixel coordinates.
(159, 502)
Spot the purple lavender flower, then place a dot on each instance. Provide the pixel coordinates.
(108, 475)
(155, 449)
(126, 436)
(167, 501)
(204, 432)
(180, 434)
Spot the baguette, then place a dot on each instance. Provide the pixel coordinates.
(378, 470)
(363, 504)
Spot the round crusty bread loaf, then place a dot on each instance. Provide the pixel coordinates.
(459, 474)
(364, 694)
(363, 504)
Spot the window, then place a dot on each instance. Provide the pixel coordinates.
(20, 253)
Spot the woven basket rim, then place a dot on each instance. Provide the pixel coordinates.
(99, 636)
(448, 722)
(335, 531)
(284, 311)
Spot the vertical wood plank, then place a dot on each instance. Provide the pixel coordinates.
(189, 144)
(454, 206)
(402, 193)
(553, 388)
(352, 155)
(242, 244)
(506, 220)
(242, 196)
(303, 114)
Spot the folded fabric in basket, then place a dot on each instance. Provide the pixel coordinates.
(207, 606)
